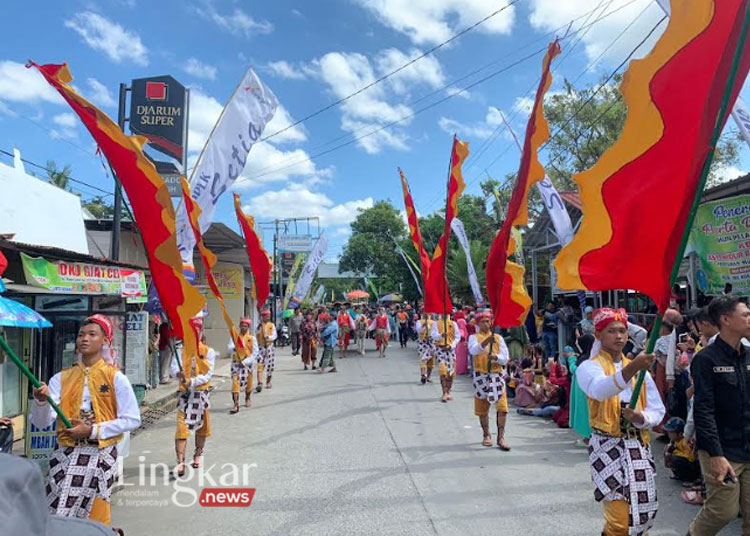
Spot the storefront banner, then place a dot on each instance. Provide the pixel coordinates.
(64, 277)
(136, 347)
(721, 239)
(40, 442)
(229, 279)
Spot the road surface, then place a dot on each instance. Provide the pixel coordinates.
(369, 450)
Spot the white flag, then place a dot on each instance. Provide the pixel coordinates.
(308, 272)
(240, 125)
(458, 228)
(556, 209)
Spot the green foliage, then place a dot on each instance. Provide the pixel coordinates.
(99, 208)
(458, 270)
(59, 177)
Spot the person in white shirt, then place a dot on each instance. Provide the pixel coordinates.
(622, 467)
(242, 366)
(426, 347)
(382, 328)
(446, 334)
(82, 469)
(267, 358)
(489, 354)
(194, 401)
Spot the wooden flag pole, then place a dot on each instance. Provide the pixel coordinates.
(34, 381)
(718, 127)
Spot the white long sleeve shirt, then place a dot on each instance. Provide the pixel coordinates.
(436, 335)
(420, 326)
(250, 359)
(374, 325)
(502, 353)
(200, 379)
(128, 414)
(597, 385)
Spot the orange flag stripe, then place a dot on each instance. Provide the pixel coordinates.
(209, 261)
(149, 198)
(414, 232)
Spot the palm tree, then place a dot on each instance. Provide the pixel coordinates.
(458, 270)
(59, 177)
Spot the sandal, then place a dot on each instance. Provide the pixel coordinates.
(179, 473)
(502, 444)
(692, 497)
(487, 441)
(234, 410)
(333, 370)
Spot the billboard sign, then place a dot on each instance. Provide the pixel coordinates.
(158, 112)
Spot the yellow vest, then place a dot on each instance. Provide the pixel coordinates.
(605, 415)
(427, 332)
(201, 366)
(266, 330)
(441, 329)
(481, 360)
(249, 341)
(101, 381)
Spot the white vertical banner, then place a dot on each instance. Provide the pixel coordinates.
(460, 233)
(240, 125)
(556, 210)
(411, 270)
(308, 272)
(739, 110)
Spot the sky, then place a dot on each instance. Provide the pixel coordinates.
(312, 54)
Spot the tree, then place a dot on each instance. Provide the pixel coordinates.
(370, 248)
(585, 122)
(458, 270)
(59, 177)
(99, 208)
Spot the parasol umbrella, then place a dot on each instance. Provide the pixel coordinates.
(392, 297)
(287, 313)
(357, 295)
(17, 315)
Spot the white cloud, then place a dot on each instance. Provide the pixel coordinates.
(19, 84)
(66, 123)
(483, 129)
(284, 69)
(199, 69)
(297, 200)
(282, 120)
(345, 73)
(434, 21)
(99, 93)
(548, 15)
(728, 173)
(66, 120)
(204, 112)
(238, 22)
(109, 37)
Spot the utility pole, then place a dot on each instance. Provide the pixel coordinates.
(114, 252)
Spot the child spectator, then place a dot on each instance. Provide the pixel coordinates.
(679, 455)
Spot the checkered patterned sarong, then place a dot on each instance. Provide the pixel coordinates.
(447, 358)
(77, 475)
(269, 358)
(624, 469)
(194, 405)
(426, 350)
(241, 372)
(489, 387)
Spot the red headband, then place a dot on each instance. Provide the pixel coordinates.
(605, 316)
(265, 312)
(245, 321)
(197, 322)
(482, 315)
(104, 322)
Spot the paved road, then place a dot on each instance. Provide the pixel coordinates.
(370, 450)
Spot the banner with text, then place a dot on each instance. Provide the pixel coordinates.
(308, 272)
(721, 238)
(458, 228)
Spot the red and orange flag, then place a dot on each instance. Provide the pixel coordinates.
(260, 262)
(209, 261)
(637, 197)
(149, 198)
(414, 232)
(506, 289)
(436, 293)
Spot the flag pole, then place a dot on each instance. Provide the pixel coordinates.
(718, 127)
(34, 381)
(447, 234)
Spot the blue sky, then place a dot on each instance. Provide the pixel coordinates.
(311, 54)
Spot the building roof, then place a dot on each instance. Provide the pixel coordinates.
(62, 254)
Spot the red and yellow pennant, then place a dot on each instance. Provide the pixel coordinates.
(260, 262)
(209, 261)
(637, 197)
(149, 198)
(436, 293)
(414, 232)
(506, 288)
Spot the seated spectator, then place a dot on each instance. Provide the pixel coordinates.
(527, 392)
(679, 455)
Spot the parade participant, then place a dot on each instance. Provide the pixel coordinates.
(346, 326)
(489, 354)
(622, 467)
(242, 368)
(446, 342)
(309, 335)
(100, 403)
(426, 347)
(360, 325)
(267, 356)
(381, 325)
(329, 336)
(403, 327)
(194, 401)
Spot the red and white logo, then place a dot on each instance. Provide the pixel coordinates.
(241, 497)
(156, 91)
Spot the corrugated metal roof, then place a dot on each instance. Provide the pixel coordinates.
(63, 254)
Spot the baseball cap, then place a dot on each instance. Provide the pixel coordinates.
(23, 504)
(674, 424)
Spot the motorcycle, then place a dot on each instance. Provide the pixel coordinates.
(284, 337)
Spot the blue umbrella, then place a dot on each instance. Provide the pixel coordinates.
(17, 315)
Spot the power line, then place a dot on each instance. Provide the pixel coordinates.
(388, 75)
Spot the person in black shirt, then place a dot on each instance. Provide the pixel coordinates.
(721, 373)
